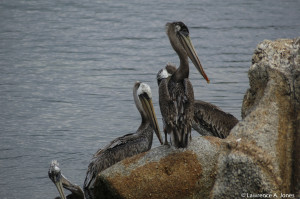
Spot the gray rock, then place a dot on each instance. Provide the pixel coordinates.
(260, 156)
(163, 172)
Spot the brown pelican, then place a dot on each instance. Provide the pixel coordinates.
(208, 118)
(118, 149)
(61, 182)
(130, 144)
(176, 95)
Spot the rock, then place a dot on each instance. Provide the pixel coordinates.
(267, 154)
(163, 172)
(260, 156)
(271, 106)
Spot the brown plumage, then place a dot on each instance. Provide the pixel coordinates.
(130, 144)
(211, 120)
(208, 119)
(176, 95)
(177, 110)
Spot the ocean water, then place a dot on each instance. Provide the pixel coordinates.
(67, 70)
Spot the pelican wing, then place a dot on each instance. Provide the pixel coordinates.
(188, 101)
(177, 109)
(211, 120)
(103, 159)
(167, 106)
(118, 141)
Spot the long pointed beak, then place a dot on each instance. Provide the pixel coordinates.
(60, 189)
(148, 107)
(189, 48)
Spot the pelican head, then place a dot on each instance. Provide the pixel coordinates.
(56, 177)
(144, 95)
(178, 34)
(162, 74)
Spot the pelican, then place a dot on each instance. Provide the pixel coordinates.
(118, 149)
(130, 144)
(209, 119)
(176, 95)
(61, 182)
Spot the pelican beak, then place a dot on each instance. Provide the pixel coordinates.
(59, 186)
(148, 107)
(189, 48)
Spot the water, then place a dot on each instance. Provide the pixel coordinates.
(67, 69)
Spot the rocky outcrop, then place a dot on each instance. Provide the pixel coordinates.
(271, 108)
(260, 156)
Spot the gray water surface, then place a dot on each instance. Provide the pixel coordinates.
(67, 69)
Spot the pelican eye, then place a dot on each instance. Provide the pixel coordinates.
(177, 28)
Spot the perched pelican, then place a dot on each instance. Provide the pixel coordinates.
(130, 144)
(176, 95)
(61, 181)
(209, 119)
(118, 149)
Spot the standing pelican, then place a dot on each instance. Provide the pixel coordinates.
(61, 181)
(209, 119)
(176, 95)
(130, 144)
